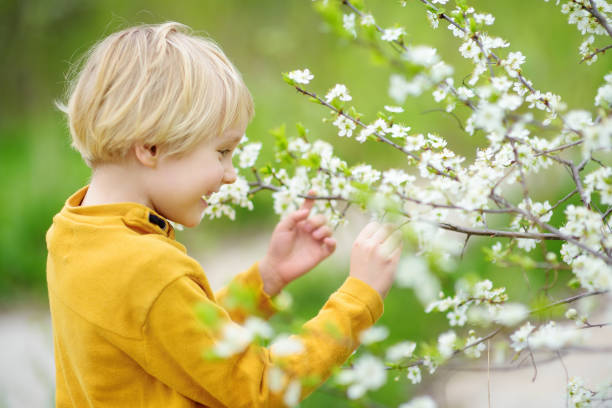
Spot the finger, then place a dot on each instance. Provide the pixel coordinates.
(368, 230)
(314, 222)
(294, 218)
(309, 202)
(330, 244)
(394, 256)
(381, 233)
(321, 232)
(391, 246)
(394, 239)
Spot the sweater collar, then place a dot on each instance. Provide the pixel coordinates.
(134, 215)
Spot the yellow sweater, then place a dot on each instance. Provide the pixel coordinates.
(123, 293)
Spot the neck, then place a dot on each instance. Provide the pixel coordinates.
(115, 183)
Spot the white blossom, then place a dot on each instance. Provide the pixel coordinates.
(482, 18)
(259, 327)
(476, 350)
(457, 316)
(510, 102)
(511, 314)
(578, 395)
(301, 76)
(234, 339)
(433, 19)
(339, 91)
(292, 394)
(373, 335)
(519, 337)
(421, 55)
(367, 20)
(464, 93)
(364, 173)
(284, 345)
(398, 131)
(592, 273)
(513, 63)
(248, 155)
(604, 93)
(600, 180)
(431, 365)
(414, 143)
(220, 203)
(393, 34)
(394, 109)
(367, 373)
(276, 378)
(414, 374)
(413, 272)
(446, 343)
(400, 351)
(551, 336)
(345, 126)
(348, 22)
(423, 401)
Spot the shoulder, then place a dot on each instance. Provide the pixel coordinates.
(114, 280)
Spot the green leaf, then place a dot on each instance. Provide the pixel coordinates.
(287, 79)
(241, 296)
(208, 314)
(302, 131)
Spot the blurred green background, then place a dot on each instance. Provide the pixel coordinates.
(39, 40)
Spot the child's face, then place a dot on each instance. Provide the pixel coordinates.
(178, 184)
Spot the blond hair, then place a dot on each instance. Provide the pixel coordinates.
(155, 84)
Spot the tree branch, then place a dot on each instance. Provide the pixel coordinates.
(600, 19)
(597, 51)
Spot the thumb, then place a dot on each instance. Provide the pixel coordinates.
(302, 213)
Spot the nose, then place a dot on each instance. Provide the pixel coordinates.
(229, 176)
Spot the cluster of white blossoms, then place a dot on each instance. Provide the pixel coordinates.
(580, 13)
(413, 272)
(247, 155)
(234, 339)
(603, 99)
(481, 294)
(579, 396)
(367, 373)
(229, 196)
(526, 130)
(599, 181)
(431, 70)
(550, 336)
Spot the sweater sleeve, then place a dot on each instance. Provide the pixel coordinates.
(176, 341)
(248, 284)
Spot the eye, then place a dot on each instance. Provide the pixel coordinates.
(225, 152)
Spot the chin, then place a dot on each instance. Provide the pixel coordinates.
(190, 223)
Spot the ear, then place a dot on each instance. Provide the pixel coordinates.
(146, 155)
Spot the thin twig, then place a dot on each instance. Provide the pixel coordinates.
(569, 300)
(533, 363)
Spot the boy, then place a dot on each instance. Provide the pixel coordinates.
(156, 112)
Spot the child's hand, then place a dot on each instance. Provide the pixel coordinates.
(375, 254)
(297, 245)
